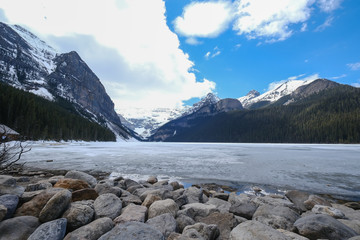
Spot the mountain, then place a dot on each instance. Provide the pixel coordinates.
(254, 100)
(319, 112)
(28, 63)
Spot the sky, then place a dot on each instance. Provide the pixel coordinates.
(170, 53)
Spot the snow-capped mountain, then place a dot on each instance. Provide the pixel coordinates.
(281, 90)
(28, 63)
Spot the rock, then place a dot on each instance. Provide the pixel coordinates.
(128, 198)
(152, 180)
(349, 212)
(222, 205)
(243, 208)
(194, 195)
(254, 230)
(19, 228)
(132, 213)
(130, 183)
(165, 223)
(150, 199)
(27, 196)
(102, 188)
(353, 205)
(353, 224)
(323, 226)
(54, 230)
(78, 215)
(175, 185)
(54, 179)
(22, 179)
(107, 205)
(276, 217)
(133, 231)
(72, 184)
(273, 201)
(34, 207)
(319, 209)
(163, 206)
(82, 176)
(38, 186)
(91, 231)
(197, 210)
(174, 236)
(291, 235)
(3, 212)
(84, 194)
(8, 186)
(191, 234)
(355, 238)
(177, 193)
(224, 221)
(10, 202)
(182, 200)
(298, 198)
(315, 200)
(56, 206)
(182, 221)
(161, 183)
(209, 232)
(162, 192)
(222, 196)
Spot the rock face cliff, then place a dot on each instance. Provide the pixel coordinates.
(28, 63)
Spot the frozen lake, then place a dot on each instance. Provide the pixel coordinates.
(333, 169)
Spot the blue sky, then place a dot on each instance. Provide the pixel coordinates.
(156, 53)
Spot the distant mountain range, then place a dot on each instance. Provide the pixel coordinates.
(29, 64)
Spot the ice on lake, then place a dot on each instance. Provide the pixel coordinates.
(333, 169)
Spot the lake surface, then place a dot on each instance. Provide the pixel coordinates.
(333, 169)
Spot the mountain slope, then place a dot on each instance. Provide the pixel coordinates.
(28, 63)
(328, 116)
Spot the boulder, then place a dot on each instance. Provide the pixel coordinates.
(150, 199)
(72, 184)
(84, 194)
(8, 186)
(152, 180)
(161, 183)
(19, 228)
(197, 210)
(254, 230)
(209, 232)
(298, 198)
(82, 176)
(56, 206)
(54, 230)
(315, 200)
(130, 183)
(182, 221)
(3, 212)
(175, 185)
(161, 192)
(91, 231)
(273, 201)
(102, 188)
(177, 193)
(38, 186)
(349, 212)
(224, 221)
(222, 205)
(319, 226)
(133, 231)
(182, 200)
(10, 202)
(163, 206)
(79, 214)
(243, 208)
(128, 198)
(194, 195)
(107, 205)
(165, 223)
(353, 205)
(353, 224)
(276, 216)
(132, 213)
(27, 196)
(292, 235)
(320, 209)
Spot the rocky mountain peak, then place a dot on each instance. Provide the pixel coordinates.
(253, 93)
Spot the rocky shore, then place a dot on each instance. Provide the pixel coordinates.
(77, 205)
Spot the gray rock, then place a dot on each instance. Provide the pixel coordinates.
(27, 196)
(222, 196)
(291, 235)
(276, 217)
(353, 205)
(54, 230)
(107, 205)
(161, 192)
(150, 199)
(79, 214)
(298, 198)
(129, 183)
(91, 231)
(197, 210)
(38, 186)
(349, 212)
(209, 232)
(194, 195)
(102, 188)
(165, 223)
(243, 208)
(182, 221)
(320, 209)
(353, 224)
(3, 211)
(56, 206)
(355, 238)
(10, 202)
(224, 221)
(152, 180)
(132, 213)
(161, 183)
(315, 200)
(222, 205)
(319, 226)
(273, 201)
(133, 231)
(254, 230)
(128, 198)
(182, 200)
(191, 234)
(19, 228)
(175, 185)
(163, 206)
(82, 176)
(8, 186)
(177, 193)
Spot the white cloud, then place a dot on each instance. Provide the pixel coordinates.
(325, 25)
(357, 84)
(127, 43)
(339, 77)
(270, 19)
(3, 17)
(329, 5)
(303, 27)
(354, 66)
(301, 77)
(215, 52)
(193, 41)
(204, 19)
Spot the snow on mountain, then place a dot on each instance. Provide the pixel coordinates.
(279, 91)
(246, 99)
